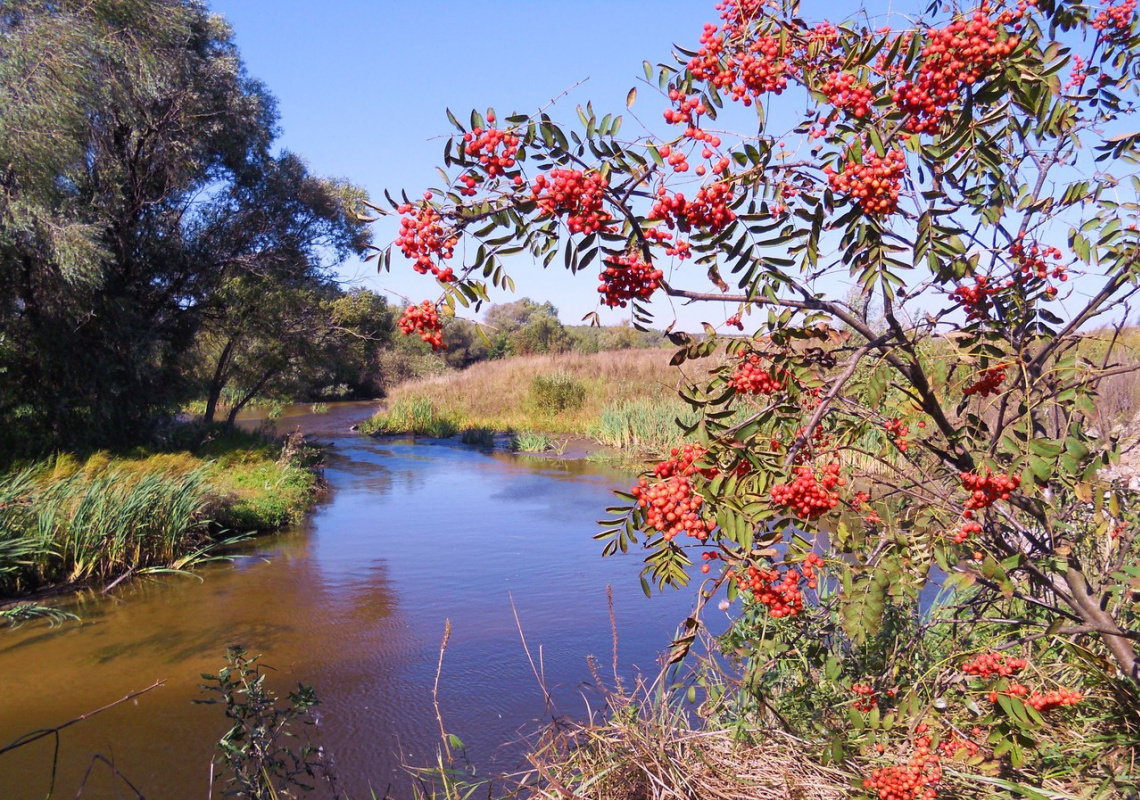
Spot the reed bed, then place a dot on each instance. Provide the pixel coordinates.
(72, 521)
(91, 528)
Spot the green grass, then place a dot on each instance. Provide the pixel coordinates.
(416, 416)
(77, 521)
(648, 426)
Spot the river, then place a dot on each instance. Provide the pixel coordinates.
(354, 602)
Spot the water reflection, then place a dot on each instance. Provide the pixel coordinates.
(355, 603)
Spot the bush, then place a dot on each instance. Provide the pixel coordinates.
(556, 393)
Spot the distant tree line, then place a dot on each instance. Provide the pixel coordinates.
(520, 328)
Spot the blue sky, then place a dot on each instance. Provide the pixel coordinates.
(362, 88)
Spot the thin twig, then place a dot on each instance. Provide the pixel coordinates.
(435, 691)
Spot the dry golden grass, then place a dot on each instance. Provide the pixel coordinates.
(498, 394)
(655, 759)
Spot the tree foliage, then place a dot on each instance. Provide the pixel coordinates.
(138, 183)
(971, 172)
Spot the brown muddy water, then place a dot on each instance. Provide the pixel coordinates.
(353, 602)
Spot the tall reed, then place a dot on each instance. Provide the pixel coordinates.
(92, 527)
(647, 426)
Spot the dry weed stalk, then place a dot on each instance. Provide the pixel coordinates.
(647, 750)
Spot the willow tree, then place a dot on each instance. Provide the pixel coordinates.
(133, 145)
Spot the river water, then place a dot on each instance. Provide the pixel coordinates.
(353, 602)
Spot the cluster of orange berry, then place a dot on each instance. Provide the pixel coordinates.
(844, 91)
(897, 431)
(495, 151)
(626, 278)
(780, 591)
(865, 698)
(1115, 20)
(1047, 701)
(952, 744)
(680, 249)
(671, 504)
(752, 376)
(954, 57)
(872, 183)
(989, 665)
(579, 195)
(985, 490)
(915, 780)
(1034, 263)
(424, 320)
(687, 108)
(707, 211)
(976, 299)
(746, 69)
(1041, 701)
(806, 496)
(424, 240)
(989, 382)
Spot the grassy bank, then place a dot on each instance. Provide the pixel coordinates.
(87, 520)
(624, 399)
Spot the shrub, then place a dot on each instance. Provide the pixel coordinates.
(556, 393)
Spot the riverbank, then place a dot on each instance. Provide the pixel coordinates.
(626, 400)
(73, 521)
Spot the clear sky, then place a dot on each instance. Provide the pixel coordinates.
(362, 86)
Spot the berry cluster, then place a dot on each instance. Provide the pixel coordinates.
(969, 528)
(844, 91)
(780, 591)
(873, 183)
(806, 496)
(682, 461)
(626, 278)
(1047, 701)
(952, 744)
(578, 195)
(746, 69)
(687, 108)
(1115, 20)
(976, 299)
(734, 322)
(897, 431)
(1078, 75)
(954, 58)
(865, 697)
(985, 490)
(1041, 701)
(751, 376)
(989, 382)
(671, 504)
(425, 241)
(1038, 263)
(708, 210)
(989, 665)
(495, 150)
(424, 320)
(914, 780)
(672, 507)
(680, 249)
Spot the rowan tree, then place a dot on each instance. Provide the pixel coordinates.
(970, 170)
